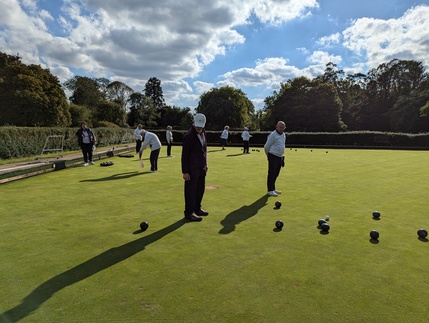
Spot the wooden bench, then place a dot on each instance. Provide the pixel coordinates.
(382, 140)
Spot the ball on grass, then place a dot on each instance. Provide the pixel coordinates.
(374, 234)
(279, 224)
(325, 227)
(278, 204)
(327, 218)
(376, 215)
(422, 233)
(144, 225)
(320, 222)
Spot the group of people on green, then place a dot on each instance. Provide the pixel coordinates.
(194, 157)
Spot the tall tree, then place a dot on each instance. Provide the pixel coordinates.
(119, 92)
(142, 110)
(86, 91)
(226, 106)
(153, 90)
(30, 95)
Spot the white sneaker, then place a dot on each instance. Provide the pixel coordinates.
(86, 164)
(92, 163)
(272, 193)
(278, 192)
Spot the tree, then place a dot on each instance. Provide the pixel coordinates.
(142, 110)
(305, 105)
(153, 90)
(119, 92)
(30, 95)
(226, 106)
(86, 91)
(175, 116)
(79, 114)
(111, 112)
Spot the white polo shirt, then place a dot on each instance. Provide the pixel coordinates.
(275, 144)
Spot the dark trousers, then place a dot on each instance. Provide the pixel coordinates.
(194, 190)
(154, 154)
(138, 145)
(274, 165)
(168, 148)
(245, 147)
(87, 152)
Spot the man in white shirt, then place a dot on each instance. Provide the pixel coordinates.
(150, 140)
(246, 137)
(274, 149)
(138, 137)
(169, 139)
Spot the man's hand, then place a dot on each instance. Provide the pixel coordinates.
(186, 177)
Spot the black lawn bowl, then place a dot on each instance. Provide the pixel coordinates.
(279, 224)
(325, 227)
(374, 235)
(144, 225)
(278, 204)
(320, 222)
(422, 233)
(376, 215)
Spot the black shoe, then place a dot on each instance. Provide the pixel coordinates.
(193, 217)
(202, 213)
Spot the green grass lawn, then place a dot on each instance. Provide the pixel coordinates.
(72, 250)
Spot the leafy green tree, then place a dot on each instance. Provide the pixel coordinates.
(142, 110)
(153, 90)
(86, 91)
(175, 116)
(79, 114)
(305, 105)
(119, 92)
(226, 106)
(30, 95)
(111, 112)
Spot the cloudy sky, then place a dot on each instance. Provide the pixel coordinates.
(195, 45)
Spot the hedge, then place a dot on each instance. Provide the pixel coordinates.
(16, 142)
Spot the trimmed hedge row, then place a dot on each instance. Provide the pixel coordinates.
(16, 142)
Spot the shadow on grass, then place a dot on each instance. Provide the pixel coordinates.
(374, 241)
(111, 257)
(116, 176)
(235, 155)
(242, 214)
(212, 151)
(423, 239)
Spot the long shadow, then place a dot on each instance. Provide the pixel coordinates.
(116, 177)
(111, 257)
(242, 214)
(234, 155)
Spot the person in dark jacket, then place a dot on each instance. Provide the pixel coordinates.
(194, 168)
(87, 141)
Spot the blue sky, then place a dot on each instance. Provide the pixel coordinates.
(193, 45)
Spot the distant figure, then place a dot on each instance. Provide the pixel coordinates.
(194, 168)
(150, 140)
(224, 137)
(246, 137)
(138, 137)
(274, 149)
(169, 139)
(87, 141)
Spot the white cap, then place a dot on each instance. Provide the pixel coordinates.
(245, 128)
(199, 120)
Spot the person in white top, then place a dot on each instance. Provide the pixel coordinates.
(224, 137)
(138, 137)
(169, 139)
(274, 149)
(150, 140)
(246, 137)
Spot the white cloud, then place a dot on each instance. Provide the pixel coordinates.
(330, 40)
(378, 41)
